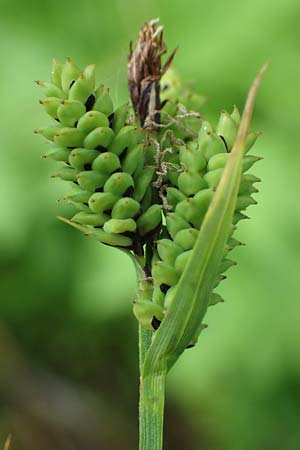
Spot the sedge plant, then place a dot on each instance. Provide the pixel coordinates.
(153, 178)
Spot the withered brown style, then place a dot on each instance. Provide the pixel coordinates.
(145, 71)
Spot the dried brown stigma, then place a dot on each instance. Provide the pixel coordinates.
(145, 71)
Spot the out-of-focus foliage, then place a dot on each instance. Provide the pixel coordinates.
(68, 352)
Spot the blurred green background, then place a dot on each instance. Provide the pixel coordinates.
(68, 340)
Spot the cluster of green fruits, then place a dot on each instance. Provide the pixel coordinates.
(111, 163)
(202, 161)
(103, 155)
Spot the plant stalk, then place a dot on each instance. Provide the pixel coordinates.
(151, 411)
(152, 384)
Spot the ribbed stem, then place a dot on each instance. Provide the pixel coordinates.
(152, 383)
(151, 411)
(144, 343)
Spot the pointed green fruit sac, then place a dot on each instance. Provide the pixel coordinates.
(218, 161)
(194, 341)
(169, 297)
(119, 183)
(82, 158)
(164, 274)
(213, 177)
(188, 209)
(86, 218)
(246, 186)
(174, 174)
(149, 220)
(147, 199)
(58, 154)
(174, 196)
(69, 137)
(172, 157)
(48, 132)
(104, 104)
(106, 162)
(216, 146)
(225, 265)
(190, 182)
(56, 73)
(182, 260)
(146, 312)
(102, 201)
(100, 138)
(232, 242)
(176, 223)
(251, 139)
(80, 206)
(127, 137)
(78, 196)
(230, 246)
(141, 164)
(70, 72)
(89, 73)
(51, 105)
(142, 181)
(247, 189)
(186, 238)
(168, 250)
(80, 90)
(125, 208)
(158, 296)
(67, 174)
(204, 139)
(227, 128)
(243, 201)
(249, 160)
(91, 180)
(248, 178)
(215, 299)
(194, 209)
(203, 200)
(191, 158)
(133, 158)
(99, 90)
(91, 120)
(119, 118)
(118, 226)
(235, 115)
(238, 216)
(219, 279)
(69, 112)
(51, 90)
(115, 240)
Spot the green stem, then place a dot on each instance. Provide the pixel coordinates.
(151, 411)
(152, 382)
(145, 337)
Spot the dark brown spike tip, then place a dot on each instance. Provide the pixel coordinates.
(145, 71)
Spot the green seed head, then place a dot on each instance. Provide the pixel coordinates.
(149, 184)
